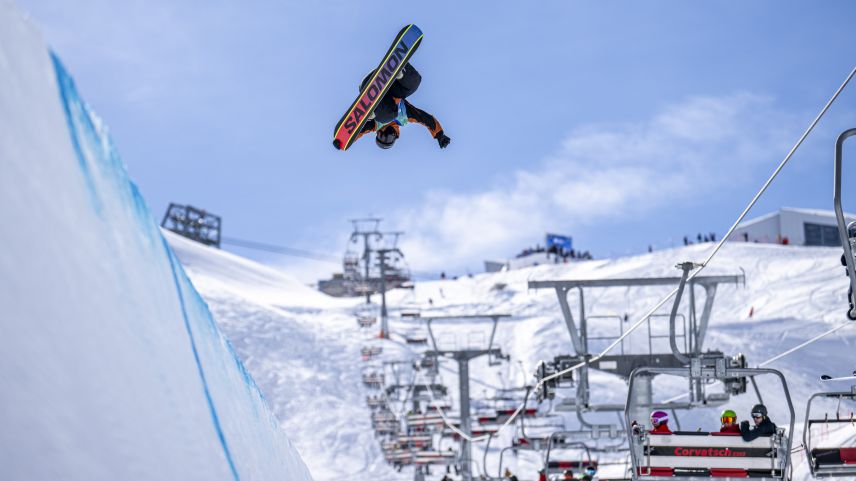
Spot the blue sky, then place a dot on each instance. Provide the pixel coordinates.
(622, 124)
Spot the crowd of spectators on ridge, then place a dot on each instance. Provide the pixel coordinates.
(560, 253)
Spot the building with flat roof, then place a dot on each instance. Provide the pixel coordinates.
(788, 225)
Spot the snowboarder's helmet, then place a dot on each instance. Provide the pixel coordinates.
(659, 417)
(728, 416)
(759, 410)
(851, 229)
(386, 137)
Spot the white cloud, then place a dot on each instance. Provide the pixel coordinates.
(600, 172)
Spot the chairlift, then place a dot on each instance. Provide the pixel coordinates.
(692, 454)
(425, 421)
(370, 352)
(436, 407)
(403, 457)
(435, 457)
(416, 341)
(476, 432)
(415, 440)
(387, 428)
(554, 466)
(380, 416)
(830, 459)
(373, 380)
(525, 439)
(366, 321)
(376, 402)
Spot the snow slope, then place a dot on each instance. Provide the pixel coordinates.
(111, 366)
(305, 354)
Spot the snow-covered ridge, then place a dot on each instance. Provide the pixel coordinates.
(112, 367)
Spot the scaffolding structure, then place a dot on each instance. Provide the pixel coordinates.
(195, 224)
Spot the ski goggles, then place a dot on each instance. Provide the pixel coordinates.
(757, 415)
(728, 419)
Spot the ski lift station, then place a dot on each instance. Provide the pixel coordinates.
(792, 226)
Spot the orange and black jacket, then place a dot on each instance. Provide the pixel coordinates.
(414, 114)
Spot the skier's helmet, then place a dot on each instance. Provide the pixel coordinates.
(759, 410)
(386, 137)
(728, 416)
(659, 417)
(590, 470)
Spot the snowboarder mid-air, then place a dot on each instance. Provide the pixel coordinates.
(393, 111)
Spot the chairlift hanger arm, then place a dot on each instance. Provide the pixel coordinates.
(686, 267)
(842, 223)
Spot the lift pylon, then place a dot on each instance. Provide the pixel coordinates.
(463, 358)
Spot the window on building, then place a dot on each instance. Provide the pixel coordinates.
(821, 235)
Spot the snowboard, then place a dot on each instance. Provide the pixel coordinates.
(402, 48)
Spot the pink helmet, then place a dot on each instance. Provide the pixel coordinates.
(659, 417)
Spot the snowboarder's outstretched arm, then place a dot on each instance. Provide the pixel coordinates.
(414, 115)
(419, 116)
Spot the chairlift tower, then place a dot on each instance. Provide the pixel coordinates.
(367, 234)
(624, 362)
(463, 358)
(383, 255)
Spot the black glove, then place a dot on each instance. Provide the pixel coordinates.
(442, 139)
(744, 425)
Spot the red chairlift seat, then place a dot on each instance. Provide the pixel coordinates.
(414, 440)
(703, 454)
(528, 412)
(477, 432)
(554, 467)
(435, 457)
(487, 419)
(423, 421)
(834, 456)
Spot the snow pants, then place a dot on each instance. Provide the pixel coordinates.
(387, 109)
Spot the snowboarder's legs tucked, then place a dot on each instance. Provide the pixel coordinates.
(401, 88)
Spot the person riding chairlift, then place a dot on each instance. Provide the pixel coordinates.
(763, 426)
(588, 474)
(729, 422)
(660, 423)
